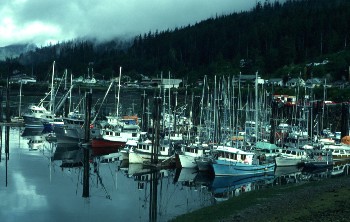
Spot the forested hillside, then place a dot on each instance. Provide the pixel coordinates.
(273, 38)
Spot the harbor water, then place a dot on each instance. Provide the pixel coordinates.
(41, 185)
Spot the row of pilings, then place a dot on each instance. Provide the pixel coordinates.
(6, 123)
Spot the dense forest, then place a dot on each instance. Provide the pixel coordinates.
(274, 39)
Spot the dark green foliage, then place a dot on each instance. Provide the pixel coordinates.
(271, 38)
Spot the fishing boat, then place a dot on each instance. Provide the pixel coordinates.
(291, 157)
(72, 131)
(339, 151)
(114, 137)
(146, 151)
(36, 115)
(235, 162)
(319, 159)
(50, 124)
(189, 153)
(269, 150)
(129, 145)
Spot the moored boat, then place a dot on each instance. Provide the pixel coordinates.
(319, 159)
(235, 162)
(291, 157)
(189, 153)
(146, 151)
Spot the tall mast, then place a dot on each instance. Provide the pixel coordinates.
(120, 75)
(70, 93)
(52, 79)
(20, 99)
(169, 101)
(256, 105)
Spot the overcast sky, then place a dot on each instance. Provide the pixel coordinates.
(44, 21)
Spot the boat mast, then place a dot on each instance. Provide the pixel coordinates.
(52, 98)
(120, 75)
(201, 104)
(256, 106)
(70, 93)
(20, 99)
(169, 101)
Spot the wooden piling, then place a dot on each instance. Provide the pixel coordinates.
(273, 122)
(144, 122)
(156, 129)
(86, 164)
(345, 120)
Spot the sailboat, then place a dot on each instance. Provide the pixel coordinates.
(38, 114)
(117, 132)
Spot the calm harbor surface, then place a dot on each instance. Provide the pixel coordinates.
(38, 189)
(35, 187)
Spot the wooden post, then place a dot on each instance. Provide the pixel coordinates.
(344, 120)
(86, 164)
(156, 130)
(144, 122)
(7, 129)
(272, 122)
(1, 119)
(8, 120)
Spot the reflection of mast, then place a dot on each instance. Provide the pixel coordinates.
(96, 170)
(153, 196)
(86, 164)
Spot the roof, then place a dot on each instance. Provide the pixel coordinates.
(275, 80)
(265, 145)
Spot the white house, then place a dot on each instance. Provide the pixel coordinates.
(170, 83)
(314, 82)
(275, 82)
(295, 82)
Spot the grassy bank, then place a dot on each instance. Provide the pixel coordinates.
(327, 200)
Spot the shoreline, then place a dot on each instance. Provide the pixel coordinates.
(325, 200)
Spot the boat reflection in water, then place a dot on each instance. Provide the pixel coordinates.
(71, 156)
(295, 175)
(34, 137)
(116, 187)
(163, 191)
(32, 131)
(225, 187)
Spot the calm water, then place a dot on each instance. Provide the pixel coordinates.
(39, 189)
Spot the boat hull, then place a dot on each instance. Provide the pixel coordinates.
(102, 147)
(228, 168)
(140, 157)
(187, 161)
(283, 161)
(204, 164)
(31, 121)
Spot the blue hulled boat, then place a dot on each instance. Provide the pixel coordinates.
(235, 162)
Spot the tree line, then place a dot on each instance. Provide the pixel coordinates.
(273, 38)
